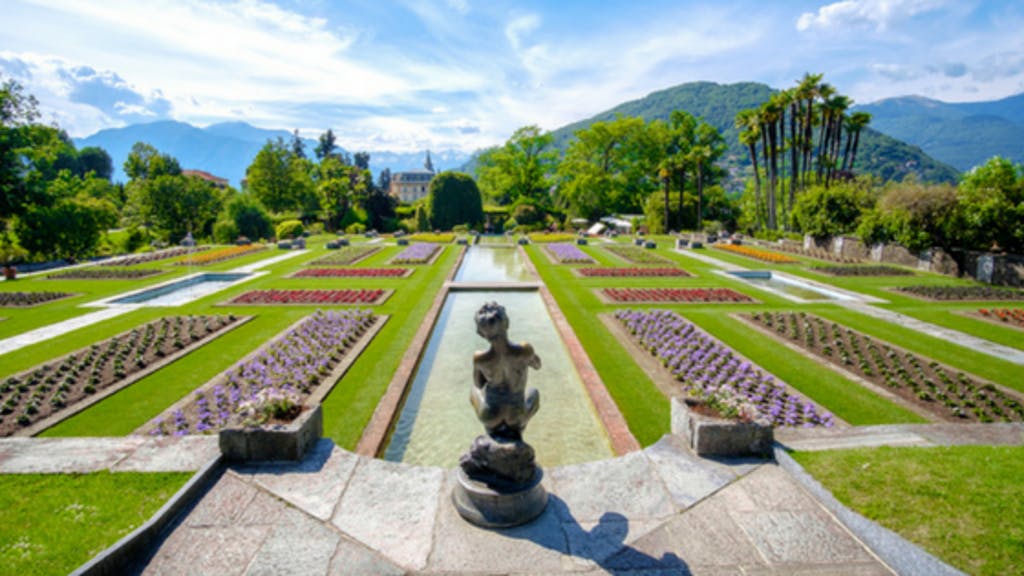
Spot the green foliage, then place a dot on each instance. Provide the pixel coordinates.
(990, 207)
(422, 221)
(278, 179)
(826, 212)
(70, 224)
(289, 229)
(225, 232)
(135, 237)
(96, 160)
(146, 163)
(356, 228)
(249, 217)
(519, 169)
(175, 205)
(454, 199)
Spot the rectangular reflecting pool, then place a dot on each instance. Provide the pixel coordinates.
(437, 423)
(182, 291)
(493, 264)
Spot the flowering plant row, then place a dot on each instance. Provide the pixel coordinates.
(631, 272)
(708, 368)
(154, 256)
(441, 238)
(816, 253)
(675, 295)
(568, 254)
(756, 253)
(549, 237)
(345, 255)
(951, 396)
(60, 384)
(636, 255)
(352, 273)
(310, 297)
(105, 274)
(862, 270)
(963, 292)
(1009, 315)
(16, 299)
(275, 383)
(416, 254)
(219, 255)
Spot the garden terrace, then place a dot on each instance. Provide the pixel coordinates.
(134, 259)
(937, 390)
(275, 382)
(644, 272)
(1012, 316)
(28, 299)
(421, 253)
(931, 292)
(219, 255)
(708, 368)
(443, 238)
(755, 253)
(636, 255)
(568, 254)
(345, 256)
(353, 273)
(674, 295)
(862, 270)
(104, 274)
(547, 237)
(57, 386)
(307, 297)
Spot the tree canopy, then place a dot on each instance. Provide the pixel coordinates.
(454, 199)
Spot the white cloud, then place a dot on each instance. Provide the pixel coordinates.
(519, 27)
(878, 14)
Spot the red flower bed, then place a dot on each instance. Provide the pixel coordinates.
(352, 273)
(1009, 315)
(675, 295)
(310, 297)
(631, 272)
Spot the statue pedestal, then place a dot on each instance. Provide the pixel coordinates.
(499, 507)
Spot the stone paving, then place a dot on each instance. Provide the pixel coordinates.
(123, 454)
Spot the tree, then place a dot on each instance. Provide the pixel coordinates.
(990, 207)
(454, 199)
(145, 162)
(17, 112)
(380, 208)
(361, 160)
(298, 146)
(326, 145)
(915, 215)
(384, 180)
(520, 168)
(176, 205)
(70, 225)
(827, 212)
(271, 177)
(96, 160)
(249, 216)
(708, 147)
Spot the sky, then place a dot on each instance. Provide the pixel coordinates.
(407, 75)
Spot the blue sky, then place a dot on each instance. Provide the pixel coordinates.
(464, 74)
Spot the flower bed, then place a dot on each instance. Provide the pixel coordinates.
(417, 254)
(631, 272)
(352, 273)
(548, 237)
(60, 384)
(862, 270)
(443, 238)
(1014, 316)
(275, 383)
(636, 255)
(155, 256)
(939, 390)
(756, 253)
(219, 255)
(568, 254)
(104, 274)
(26, 299)
(816, 253)
(962, 292)
(345, 256)
(637, 295)
(708, 368)
(305, 297)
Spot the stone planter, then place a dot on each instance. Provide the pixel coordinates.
(581, 241)
(710, 436)
(274, 442)
(650, 245)
(402, 242)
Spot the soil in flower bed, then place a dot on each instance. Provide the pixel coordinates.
(353, 273)
(637, 255)
(643, 295)
(939, 390)
(645, 272)
(155, 256)
(105, 274)
(219, 255)
(1010, 316)
(962, 292)
(567, 254)
(345, 256)
(275, 381)
(306, 297)
(58, 385)
(705, 367)
(862, 270)
(29, 299)
(421, 253)
(755, 253)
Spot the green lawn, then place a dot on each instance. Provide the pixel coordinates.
(53, 523)
(964, 504)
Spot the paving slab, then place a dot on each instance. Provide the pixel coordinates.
(300, 545)
(627, 485)
(24, 339)
(224, 550)
(65, 455)
(353, 559)
(687, 479)
(170, 454)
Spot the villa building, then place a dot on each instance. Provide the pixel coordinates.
(410, 186)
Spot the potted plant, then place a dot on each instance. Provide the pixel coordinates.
(721, 424)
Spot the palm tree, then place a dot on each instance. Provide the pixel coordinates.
(749, 123)
(856, 123)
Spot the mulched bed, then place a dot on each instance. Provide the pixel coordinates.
(637, 255)
(353, 273)
(58, 385)
(672, 295)
(638, 272)
(345, 256)
(365, 297)
(105, 274)
(862, 270)
(945, 393)
(948, 293)
(155, 256)
(29, 299)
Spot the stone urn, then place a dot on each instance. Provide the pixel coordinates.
(709, 433)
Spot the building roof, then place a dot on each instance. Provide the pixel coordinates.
(206, 176)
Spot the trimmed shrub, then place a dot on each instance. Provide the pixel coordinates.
(289, 229)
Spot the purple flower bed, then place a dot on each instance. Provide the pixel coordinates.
(276, 382)
(419, 253)
(569, 254)
(708, 368)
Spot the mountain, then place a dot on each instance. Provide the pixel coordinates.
(228, 148)
(960, 134)
(718, 104)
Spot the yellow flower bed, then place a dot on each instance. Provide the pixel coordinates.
(545, 237)
(443, 238)
(212, 256)
(759, 254)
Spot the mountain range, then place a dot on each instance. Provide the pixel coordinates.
(228, 148)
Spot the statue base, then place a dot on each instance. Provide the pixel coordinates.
(497, 507)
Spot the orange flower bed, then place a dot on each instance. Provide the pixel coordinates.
(756, 253)
(1009, 315)
(220, 255)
